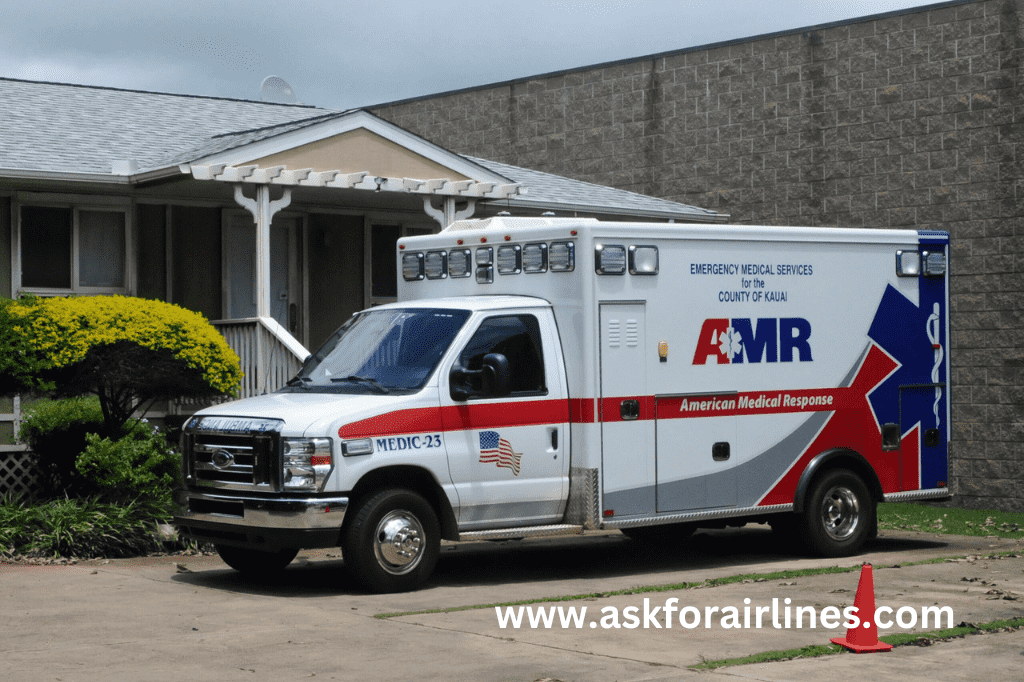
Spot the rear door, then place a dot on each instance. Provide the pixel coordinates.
(505, 454)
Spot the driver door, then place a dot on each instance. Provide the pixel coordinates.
(508, 455)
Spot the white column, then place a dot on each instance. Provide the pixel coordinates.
(262, 210)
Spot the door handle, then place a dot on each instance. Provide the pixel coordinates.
(629, 410)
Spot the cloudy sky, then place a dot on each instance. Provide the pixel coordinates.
(340, 54)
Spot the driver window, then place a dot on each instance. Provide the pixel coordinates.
(517, 337)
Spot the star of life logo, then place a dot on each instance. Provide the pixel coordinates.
(767, 339)
(494, 448)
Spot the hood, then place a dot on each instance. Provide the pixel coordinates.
(319, 414)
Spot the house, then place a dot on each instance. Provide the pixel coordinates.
(276, 221)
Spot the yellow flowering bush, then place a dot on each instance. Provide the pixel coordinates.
(128, 351)
(64, 329)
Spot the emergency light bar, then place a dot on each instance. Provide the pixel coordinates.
(412, 266)
(436, 265)
(510, 259)
(535, 258)
(458, 262)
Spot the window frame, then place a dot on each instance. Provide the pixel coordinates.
(539, 341)
(76, 208)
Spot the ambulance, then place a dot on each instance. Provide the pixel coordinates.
(553, 375)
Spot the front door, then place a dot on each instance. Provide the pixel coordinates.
(240, 271)
(508, 456)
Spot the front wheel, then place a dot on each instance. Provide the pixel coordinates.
(838, 514)
(255, 562)
(393, 542)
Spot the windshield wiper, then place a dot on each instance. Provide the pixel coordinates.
(298, 381)
(362, 380)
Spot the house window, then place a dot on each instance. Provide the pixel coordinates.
(80, 250)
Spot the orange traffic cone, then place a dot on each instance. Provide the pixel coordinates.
(864, 639)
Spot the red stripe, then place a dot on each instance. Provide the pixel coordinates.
(499, 415)
(459, 418)
(470, 417)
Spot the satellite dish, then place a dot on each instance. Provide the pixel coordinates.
(276, 89)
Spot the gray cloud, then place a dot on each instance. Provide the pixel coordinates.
(343, 54)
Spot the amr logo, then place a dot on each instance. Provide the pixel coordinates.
(739, 340)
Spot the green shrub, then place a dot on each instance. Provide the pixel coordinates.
(79, 528)
(55, 431)
(138, 465)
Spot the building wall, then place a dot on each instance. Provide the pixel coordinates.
(910, 120)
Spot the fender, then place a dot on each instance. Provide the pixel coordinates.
(831, 459)
(415, 479)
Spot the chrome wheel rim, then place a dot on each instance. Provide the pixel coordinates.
(398, 542)
(840, 512)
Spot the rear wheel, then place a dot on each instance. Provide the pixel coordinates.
(393, 542)
(254, 561)
(838, 514)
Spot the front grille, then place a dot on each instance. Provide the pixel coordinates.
(234, 454)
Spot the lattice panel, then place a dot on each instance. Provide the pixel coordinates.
(16, 473)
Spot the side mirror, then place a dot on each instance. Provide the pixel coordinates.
(492, 380)
(496, 375)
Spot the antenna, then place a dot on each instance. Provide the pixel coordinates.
(276, 89)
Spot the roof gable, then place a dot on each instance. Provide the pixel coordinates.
(360, 150)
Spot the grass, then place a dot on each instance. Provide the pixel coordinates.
(900, 639)
(79, 528)
(947, 520)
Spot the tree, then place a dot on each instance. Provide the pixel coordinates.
(128, 351)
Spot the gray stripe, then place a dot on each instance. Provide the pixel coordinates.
(750, 480)
(508, 514)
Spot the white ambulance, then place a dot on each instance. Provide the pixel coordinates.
(543, 375)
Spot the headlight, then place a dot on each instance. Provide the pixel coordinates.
(307, 462)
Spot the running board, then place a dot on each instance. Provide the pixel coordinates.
(524, 532)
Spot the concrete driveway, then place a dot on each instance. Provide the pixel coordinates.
(192, 618)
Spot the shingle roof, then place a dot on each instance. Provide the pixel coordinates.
(77, 129)
(546, 188)
(82, 129)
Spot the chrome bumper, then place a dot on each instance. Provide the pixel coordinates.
(279, 513)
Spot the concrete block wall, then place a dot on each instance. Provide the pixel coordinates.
(912, 119)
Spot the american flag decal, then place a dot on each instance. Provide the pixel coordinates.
(495, 449)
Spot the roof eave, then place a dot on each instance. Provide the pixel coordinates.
(60, 176)
(680, 216)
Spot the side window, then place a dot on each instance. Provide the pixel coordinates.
(517, 337)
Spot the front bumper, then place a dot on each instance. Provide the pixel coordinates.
(259, 522)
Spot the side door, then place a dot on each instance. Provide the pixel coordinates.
(508, 455)
(627, 415)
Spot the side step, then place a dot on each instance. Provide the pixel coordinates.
(524, 532)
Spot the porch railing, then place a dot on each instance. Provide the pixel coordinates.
(270, 355)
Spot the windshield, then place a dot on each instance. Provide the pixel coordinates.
(382, 351)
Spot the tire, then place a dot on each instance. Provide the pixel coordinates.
(838, 514)
(255, 562)
(670, 532)
(393, 542)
